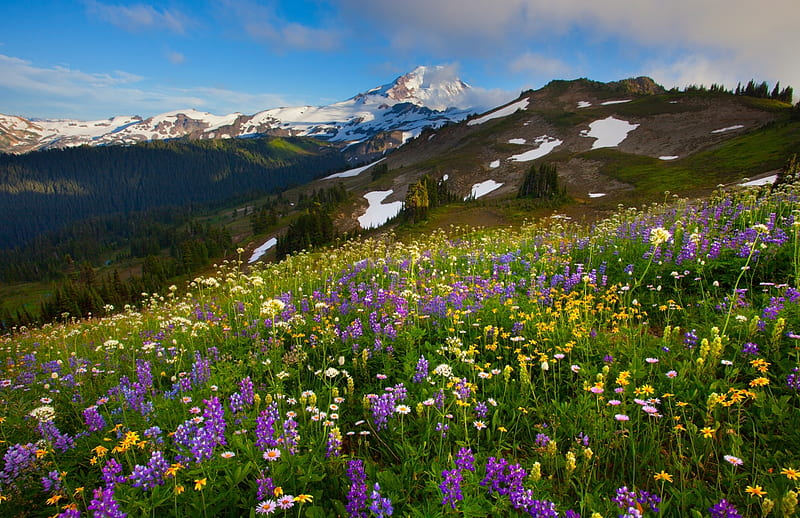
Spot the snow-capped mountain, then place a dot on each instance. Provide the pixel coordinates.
(425, 97)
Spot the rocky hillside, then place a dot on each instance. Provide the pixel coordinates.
(611, 143)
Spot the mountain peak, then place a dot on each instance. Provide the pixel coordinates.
(437, 88)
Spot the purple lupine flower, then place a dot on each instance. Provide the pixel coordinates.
(750, 348)
(647, 499)
(290, 436)
(724, 509)
(379, 506)
(154, 434)
(481, 410)
(214, 420)
(495, 469)
(266, 488)
(793, 380)
(624, 498)
(144, 374)
(333, 448)
(357, 495)
(422, 370)
(451, 487)
(236, 403)
(690, 338)
(247, 391)
(438, 399)
(384, 406)
(442, 428)
(542, 440)
(52, 481)
(70, 513)
(462, 389)
(265, 427)
(104, 504)
(111, 473)
(60, 441)
(542, 509)
(94, 421)
(152, 475)
(465, 460)
(18, 459)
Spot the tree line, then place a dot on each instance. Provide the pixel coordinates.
(46, 190)
(751, 89)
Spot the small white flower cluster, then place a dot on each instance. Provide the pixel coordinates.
(659, 236)
(444, 370)
(43, 413)
(272, 307)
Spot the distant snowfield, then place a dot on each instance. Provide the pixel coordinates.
(584, 104)
(729, 128)
(480, 189)
(609, 132)
(546, 145)
(261, 250)
(352, 172)
(494, 164)
(378, 212)
(607, 103)
(668, 157)
(761, 181)
(502, 112)
(596, 194)
(517, 141)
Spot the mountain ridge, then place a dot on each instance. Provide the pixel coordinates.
(424, 97)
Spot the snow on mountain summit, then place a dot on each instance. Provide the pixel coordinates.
(424, 97)
(433, 87)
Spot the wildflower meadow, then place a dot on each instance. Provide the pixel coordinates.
(645, 365)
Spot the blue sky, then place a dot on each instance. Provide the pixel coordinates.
(92, 59)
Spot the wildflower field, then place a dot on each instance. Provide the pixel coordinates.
(644, 366)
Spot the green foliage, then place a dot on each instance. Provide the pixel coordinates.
(541, 182)
(312, 229)
(47, 190)
(653, 351)
(424, 195)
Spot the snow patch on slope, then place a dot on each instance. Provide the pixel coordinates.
(378, 212)
(502, 112)
(261, 250)
(546, 145)
(352, 172)
(609, 132)
(729, 128)
(483, 188)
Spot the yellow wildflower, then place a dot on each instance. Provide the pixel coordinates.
(707, 432)
(755, 491)
(303, 498)
(759, 382)
(663, 476)
(173, 469)
(199, 484)
(53, 500)
(791, 473)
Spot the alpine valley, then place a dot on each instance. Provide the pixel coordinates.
(96, 213)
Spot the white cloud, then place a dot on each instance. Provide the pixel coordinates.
(138, 17)
(262, 24)
(61, 92)
(176, 58)
(760, 41)
(539, 64)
